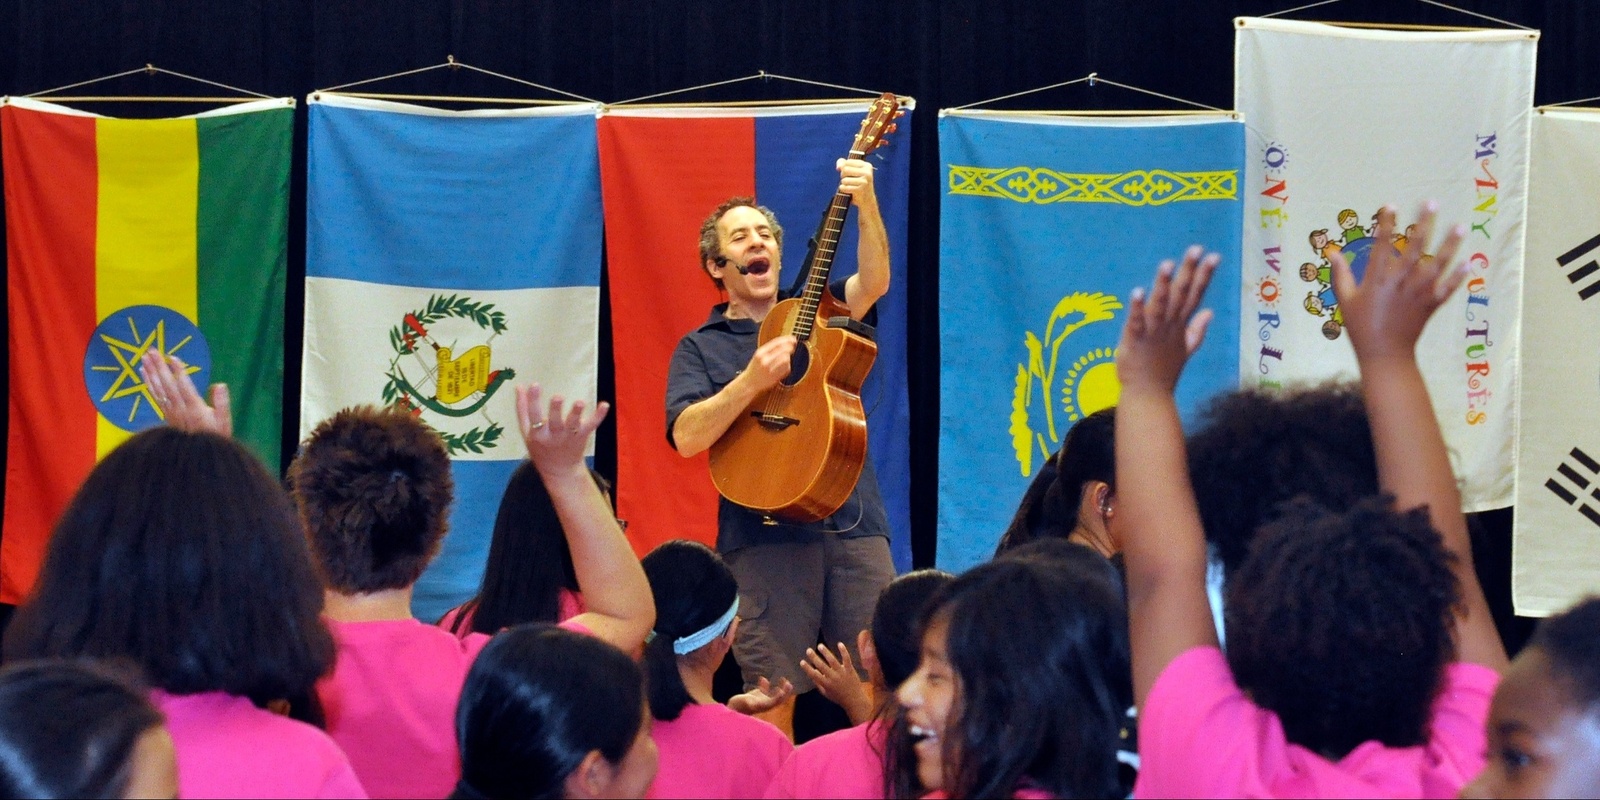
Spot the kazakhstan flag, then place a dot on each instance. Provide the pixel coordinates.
(1045, 226)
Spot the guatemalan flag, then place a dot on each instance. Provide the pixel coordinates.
(663, 170)
(450, 254)
(1046, 224)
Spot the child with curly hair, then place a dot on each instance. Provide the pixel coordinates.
(374, 487)
(1361, 653)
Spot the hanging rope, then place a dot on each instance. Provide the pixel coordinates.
(762, 75)
(150, 69)
(1446, 6)
(1092, 78)
(451, 63)
(1569, 103)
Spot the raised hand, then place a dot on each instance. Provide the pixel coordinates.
(1386, 311)
(556, 436)
(856, 179)
(836, 678)
(761, 699)
(178, 400)
(1163, 329)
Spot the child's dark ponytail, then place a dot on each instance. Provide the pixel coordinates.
(694, 592)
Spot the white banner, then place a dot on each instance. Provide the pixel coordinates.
(1342, 121)
(1555, 555)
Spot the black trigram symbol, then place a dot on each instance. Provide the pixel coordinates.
(1585, 272)
(1584, 483)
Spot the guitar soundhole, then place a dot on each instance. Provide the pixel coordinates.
(798, 364)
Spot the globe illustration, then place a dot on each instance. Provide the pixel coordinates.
(1357, 252)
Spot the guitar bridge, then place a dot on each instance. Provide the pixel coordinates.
(775, 422)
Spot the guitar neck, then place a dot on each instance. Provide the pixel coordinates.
(820, 265)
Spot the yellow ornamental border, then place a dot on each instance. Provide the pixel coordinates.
(1140, 187)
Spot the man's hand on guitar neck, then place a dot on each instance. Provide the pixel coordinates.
(702, 424)
(855, 179)
(871, 280)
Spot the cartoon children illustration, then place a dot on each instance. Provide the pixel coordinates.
(1350, 222)
(1321, 244)
(1322, 301)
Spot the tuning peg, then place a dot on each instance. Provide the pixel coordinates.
(899, 113)
(891, 129)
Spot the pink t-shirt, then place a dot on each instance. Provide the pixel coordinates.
(570, 605)
(712, 751)
(391, 703)
(1200, 736)
(842, 764)
(1020, 794)
(229, 748)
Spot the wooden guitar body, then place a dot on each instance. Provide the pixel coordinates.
(796, 452)
(773, 459)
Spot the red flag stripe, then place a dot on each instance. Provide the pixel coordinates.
(51, 186)
(659, 178)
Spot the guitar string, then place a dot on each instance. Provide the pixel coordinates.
(812, 294)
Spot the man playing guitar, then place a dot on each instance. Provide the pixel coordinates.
(795, 580)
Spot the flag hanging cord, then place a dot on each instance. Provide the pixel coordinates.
(1402, 26)
(761, 75)
(1567, 105)
(451, 63)
(148, 69)
(1092, 79)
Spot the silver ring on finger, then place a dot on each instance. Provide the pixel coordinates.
(536, 426)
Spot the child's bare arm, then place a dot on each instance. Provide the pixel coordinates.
(616, 593)
(1158, 522)
(1385, 314)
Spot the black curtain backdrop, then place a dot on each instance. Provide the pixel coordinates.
(945, 54)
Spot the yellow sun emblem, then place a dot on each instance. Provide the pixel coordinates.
(1091, 384)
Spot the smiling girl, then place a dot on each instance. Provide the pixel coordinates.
(1544, 723)
(1022, 684)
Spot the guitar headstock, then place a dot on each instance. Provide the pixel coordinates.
(875, 129)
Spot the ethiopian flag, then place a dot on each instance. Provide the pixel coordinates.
(125, 236)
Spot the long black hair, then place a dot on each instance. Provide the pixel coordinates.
(895, 633)
(692, 589)
(529, 561)
(897, 637)
(69, 728)
(1039, 649)
(1049, 507)
(536, 702)
(183, 556)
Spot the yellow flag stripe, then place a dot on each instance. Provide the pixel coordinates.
(146, 240)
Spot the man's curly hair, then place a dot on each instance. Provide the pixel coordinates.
(1340, 623)
(1255, 449)
(1571, 640)
(373, 488)
(711, 241)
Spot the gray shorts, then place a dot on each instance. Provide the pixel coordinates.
(789, 594)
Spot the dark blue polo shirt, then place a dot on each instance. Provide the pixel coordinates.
(708, 359)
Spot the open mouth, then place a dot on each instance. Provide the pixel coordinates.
(922, 736)
(758, 266)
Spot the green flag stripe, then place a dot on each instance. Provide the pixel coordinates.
(243, 260)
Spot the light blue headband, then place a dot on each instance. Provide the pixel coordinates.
(685, 645)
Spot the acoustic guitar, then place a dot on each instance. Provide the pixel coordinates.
(796, 452)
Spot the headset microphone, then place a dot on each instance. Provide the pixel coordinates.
(722, 261)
